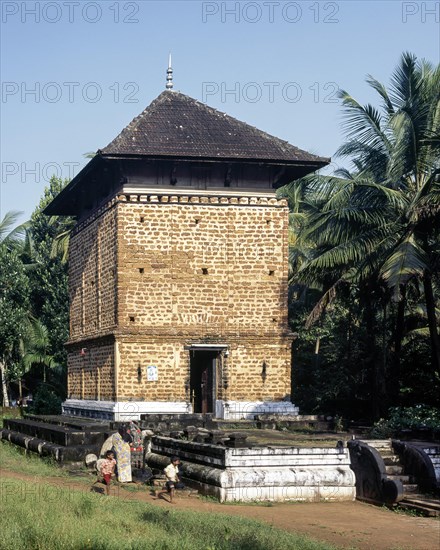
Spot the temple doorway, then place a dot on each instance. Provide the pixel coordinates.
(203, 383)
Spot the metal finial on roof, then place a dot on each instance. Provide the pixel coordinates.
(169, 84)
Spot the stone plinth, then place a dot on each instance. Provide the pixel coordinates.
(260, 474)
(248, 410)
(123, 410)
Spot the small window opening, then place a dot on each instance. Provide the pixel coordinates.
(141, 270)
(131, 319)
(205, 270)
(196, 221)
(271, 272)
(142, 219)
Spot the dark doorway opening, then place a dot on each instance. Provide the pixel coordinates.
(203, 368)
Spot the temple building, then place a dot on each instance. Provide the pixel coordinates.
(178, 267)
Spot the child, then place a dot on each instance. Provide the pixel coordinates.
(108, 469)
(172, 474)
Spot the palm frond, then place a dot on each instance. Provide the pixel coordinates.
(363, 123)
(407, 260)
(404, 81)
(381, 90)
(8, 234)
(326, 299)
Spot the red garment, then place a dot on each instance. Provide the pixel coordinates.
(107, 478)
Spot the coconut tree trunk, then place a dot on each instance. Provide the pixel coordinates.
(4, 384)
(372, 359)
(384, 360)
(432, 321)
(398, 338)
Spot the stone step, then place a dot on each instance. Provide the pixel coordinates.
(403, 478)
(390, 460)
(394, 470)
(70, 421)
(424, 505)
(410, 488)
(380, 444)
(56, 434)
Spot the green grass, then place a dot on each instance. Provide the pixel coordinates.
(39, 516)
(16, 459)
(42, 516)
(9, 413)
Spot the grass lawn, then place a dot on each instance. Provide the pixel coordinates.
(46, 517)
(17, 460)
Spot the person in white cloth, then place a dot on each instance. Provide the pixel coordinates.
(173, 479)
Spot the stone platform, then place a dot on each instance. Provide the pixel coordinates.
(259, 473)
(66, 439)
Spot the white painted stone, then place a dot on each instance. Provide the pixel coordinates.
(131, 410)
(122, 410)
(90, 460)
(283, 494)
(296, 477)
(247, 410)
(434, 455)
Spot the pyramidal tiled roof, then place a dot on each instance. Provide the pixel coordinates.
(177, 125)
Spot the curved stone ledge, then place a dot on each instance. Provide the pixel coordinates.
(372, 482)
(422, 463)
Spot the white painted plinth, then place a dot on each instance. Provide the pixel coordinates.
(247, 410)
(131, 410)
(122, 410)
(260, 473)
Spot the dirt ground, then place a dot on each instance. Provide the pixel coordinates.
(347, 524)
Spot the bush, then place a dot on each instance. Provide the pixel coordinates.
(46, 401)
(406, 418)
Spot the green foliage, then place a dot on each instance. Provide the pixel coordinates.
(367, 241)
(37, 344)
(14, 305)
(46, 401)
(335, 380)
(34, 296)
(404, 418)
(14, 300)
(11, 237)
(50, 298)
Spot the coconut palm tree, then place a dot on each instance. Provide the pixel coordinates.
(11, 236)
(13, 295)
(60, 244)
(381, 222)
(36, 347)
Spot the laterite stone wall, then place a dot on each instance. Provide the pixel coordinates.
(156, 273)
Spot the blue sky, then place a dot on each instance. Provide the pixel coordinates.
(93, 66)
